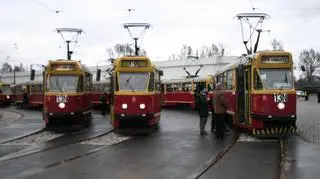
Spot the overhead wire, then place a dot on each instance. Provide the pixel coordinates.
(45, 6)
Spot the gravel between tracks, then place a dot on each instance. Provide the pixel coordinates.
(108, 139)
(35, 139)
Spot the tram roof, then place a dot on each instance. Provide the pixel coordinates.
(82, 66)
(245, 59)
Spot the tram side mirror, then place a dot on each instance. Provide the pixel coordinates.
(303, 68)
(98, 75)
(160, 72)
(33, 72)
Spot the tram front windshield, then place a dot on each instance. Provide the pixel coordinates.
(5, 90)
(276, 78)
(63, 83)
(136, 81)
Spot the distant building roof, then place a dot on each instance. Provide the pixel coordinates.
(172, 69)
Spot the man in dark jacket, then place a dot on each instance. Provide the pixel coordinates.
(203, 112)
(103, 100)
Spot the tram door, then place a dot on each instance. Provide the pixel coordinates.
(243, 81)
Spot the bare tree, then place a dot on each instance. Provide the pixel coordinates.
(110, 52)
(310, 59)
(206, 51)
(277, 45)
(6, 68)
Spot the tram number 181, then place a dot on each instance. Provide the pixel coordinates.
(61, 99)
(280, 97)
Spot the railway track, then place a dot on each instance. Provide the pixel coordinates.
(104, 141)
(211, 162)
(281, 168)
(48, 140)
(282, 158)
(4, 121)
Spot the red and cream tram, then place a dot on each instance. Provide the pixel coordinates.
(67, 93)
(6, 95)
(135, 92)
(29, 94)
(260, 94)
(183, 91)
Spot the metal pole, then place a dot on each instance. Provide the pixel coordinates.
(68, 50)
(136, 46)
(14, 74)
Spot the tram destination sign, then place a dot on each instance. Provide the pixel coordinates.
(275, 59)
(63, 67)
(134, 63)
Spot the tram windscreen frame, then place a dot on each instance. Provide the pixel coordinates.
(276, 78)
(63, 83)
(133, 81)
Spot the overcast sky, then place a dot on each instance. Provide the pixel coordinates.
(31, 25)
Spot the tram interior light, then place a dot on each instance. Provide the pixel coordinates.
(124, 106)
(142, 106)
(8, 97)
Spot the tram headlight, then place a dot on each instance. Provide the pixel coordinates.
(124, 106)
(62, 105)
(281, 106)
(142, 106)
(8, 97)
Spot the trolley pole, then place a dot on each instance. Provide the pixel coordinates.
(136, 48)
(14, 74)
(68, 50)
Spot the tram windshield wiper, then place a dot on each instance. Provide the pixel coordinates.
(129, 84)
(58, 85)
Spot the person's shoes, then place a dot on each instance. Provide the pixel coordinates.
(203, 133)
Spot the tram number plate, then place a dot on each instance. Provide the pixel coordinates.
(280, 97)
(61, 99)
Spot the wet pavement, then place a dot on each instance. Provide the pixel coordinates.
(248, 159)
(309, 119)
(176, 150)
(30, 123)
(302, 160)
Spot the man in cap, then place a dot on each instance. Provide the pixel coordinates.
(203, 111)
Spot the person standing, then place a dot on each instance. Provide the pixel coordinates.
(306, 97)
(318, 95)
(220, 111)
(203, 111)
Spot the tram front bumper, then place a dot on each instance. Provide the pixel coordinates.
(273, 125)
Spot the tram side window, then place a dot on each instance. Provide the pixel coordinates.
(257, 81)
(151, 82)
(80, 84)
(229, 80)
(186, 87)
(177, 87)
(157, 81)
(169, 88)
(87, 84)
